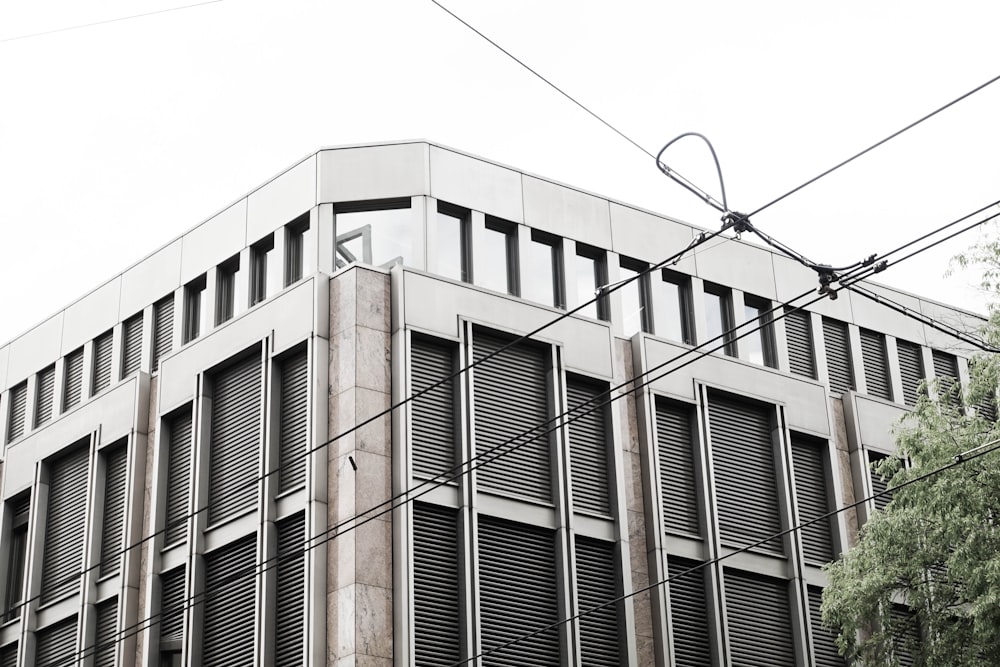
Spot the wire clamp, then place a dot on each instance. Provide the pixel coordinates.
(738, 222)
(827, 276)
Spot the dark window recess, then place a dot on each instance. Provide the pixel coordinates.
(879, 484)
(225, 290)
(172, 607)
(987, 407)
(289, 639)
(515, 462)
(688, 614)
(106, 640)
(235, 439)
(163, 329)
(18, 406)
(436, 576)
(131, 345)
(17, 553)
(911, 370)
(596, 577)
(258, 269)
(113, 525)
(56, 644)
(838, 356)
(73, 382)
(62, 557)
(809, 458)
(677, 468)
(590, 463)
(44, 395)
(178, 477)
(798, 335)
(946, 372)
(433, 413)
(8, 655)
(759, 619)
(906, 635)
(517, 562)
(825, 649)
(746, 484)
(876, 365)
(194, 291)
(102, 362)
(229, 635)
(295, 248)
(293, 421)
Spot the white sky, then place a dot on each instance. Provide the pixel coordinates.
(116, 138)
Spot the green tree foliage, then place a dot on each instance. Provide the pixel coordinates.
(936, 547)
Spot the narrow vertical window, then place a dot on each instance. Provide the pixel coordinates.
(18, 405)
(131, 345)
(880, 485)
(44, 390)
(911, 370)
(496, 263)
(759, 339)
(946, 373)
(16, 557)
(258, 269)
(719, 318)
(113, 524)
(73, 379)
(798, 335)
(809, 463)
(451, 242)
(228, 636)
(163, 329)
(875, 363)
(289, 642)
(541, 267)
(295, 248)
(381, 233)
(172, 607)
(293, 426)
(672, 307)
(591, 275)
(178, 477)
(193, 293)
(838, 356)
(634, 296)
(437, 626)
(590, 462)
(64, 528)
(225, 289)
(102, 362)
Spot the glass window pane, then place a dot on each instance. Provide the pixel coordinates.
(449, 246)
(586, 283)
(631, 303)
(491, 262)
(381, 238)
(714, 318)
(753, 343)
(537, 273)
(668, 310)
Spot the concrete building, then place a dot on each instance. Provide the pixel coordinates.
(186, 449)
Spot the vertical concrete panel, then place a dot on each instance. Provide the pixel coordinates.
(34, 350)
(373, 172)
(567, 212)
(281, 200)
(213, 241)
(632, 230)
(151, 279)
(92, 315)
(475, 184)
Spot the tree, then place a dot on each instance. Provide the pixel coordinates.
(923, 581)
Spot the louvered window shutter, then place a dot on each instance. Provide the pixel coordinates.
(809, 462)
(289, 645)
(235, 443)
(688, 614)
(113, 527)
(178, 477)
(946, 371)
(596, 578)
(293, 422)
(879, 483)
(517, 564)
(102, 362)
(677, 469)
(8, 656)
(56, 644)
(437, 635)
(45, 395)
(825, 650)
(907, 635)
(230, 582)
(18, 404)
(106, 637)
(759, 619)
(911, 370)
(73, 385)
(131, 345)
(62, 559)
(590, 462)
(876, 366)
(838, 356)
(17, 553)
(434, 415)
(798, 334)
(172, 608)
(163, 329)
(511, 398)
(746, 485)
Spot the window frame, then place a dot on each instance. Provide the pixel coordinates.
(511, 255)
(258, 269)
(599, 257)
(464, 217)
(364, 232)
(295, 249)
(765, 327)
(726, 317)
(225, 289)
(685, 308)
(643, 286)
(194, 296)
(556, 272)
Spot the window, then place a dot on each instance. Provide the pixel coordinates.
(102, 362)
(225, 289)
(591, 275)
(634, 296)
(434, 413)
(258, 269)
(113, 523)
(163, 328)
(758, 343)
(44, 395)
(172, 606)
(911, 370)
(758, 614)
(193, 305)
(946, 372)
(809, 461)
(838, 356)
(719, 319)
(876, 365)
(496, 264)
(678, 465)
(18, 405)
(228, 613)
(380, 233)
(17, 553)
(295, 248)
(62, 556)
(175, 513)
(591, 465)
(672, 307)
(879, 483)
(293, 421)
(541, 268)
(450, 242)
(132, 345)
(73, 379)
(798, 336)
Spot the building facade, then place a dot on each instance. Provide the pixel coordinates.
(209, 459)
